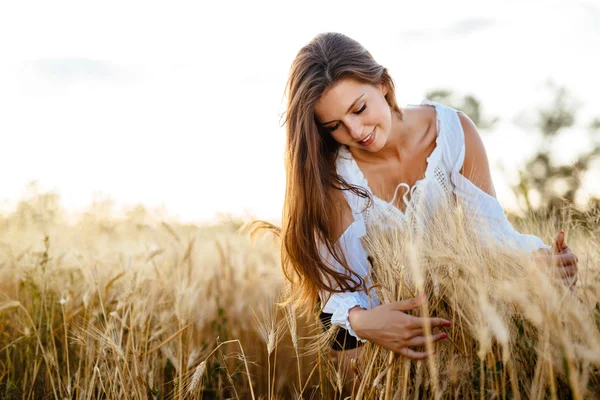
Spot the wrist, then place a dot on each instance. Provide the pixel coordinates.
(355, 318)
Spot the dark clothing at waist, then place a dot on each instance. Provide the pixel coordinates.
(343, 340)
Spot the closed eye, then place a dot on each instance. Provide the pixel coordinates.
(333, 128)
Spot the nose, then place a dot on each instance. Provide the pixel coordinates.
(355, 129)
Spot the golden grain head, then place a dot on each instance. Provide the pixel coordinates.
(510, 319)
(198, 374)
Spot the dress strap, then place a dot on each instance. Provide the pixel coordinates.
(451, 136)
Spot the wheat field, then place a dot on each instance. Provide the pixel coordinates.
(136, 308)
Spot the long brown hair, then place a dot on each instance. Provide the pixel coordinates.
(310, 163)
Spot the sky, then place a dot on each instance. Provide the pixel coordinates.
(179, 105)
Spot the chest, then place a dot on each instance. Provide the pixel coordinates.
(384, 178)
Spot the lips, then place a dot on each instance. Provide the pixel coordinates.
(369, 139)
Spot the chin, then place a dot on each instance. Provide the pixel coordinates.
(374, 149)
(377, 145)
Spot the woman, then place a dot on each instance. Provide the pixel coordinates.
(350, 149)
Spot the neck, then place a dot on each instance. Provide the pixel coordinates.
(397, 140)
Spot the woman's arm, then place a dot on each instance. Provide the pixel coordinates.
(476, 167)
(387, 325)
(347, 236)
(477, 170)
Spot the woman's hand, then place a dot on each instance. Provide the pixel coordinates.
(562, 258)
(387, 325)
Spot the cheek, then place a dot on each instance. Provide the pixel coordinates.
(386, 115)
(383, 115)
(339, 136)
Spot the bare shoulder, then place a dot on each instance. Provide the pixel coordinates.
(423, 121)
(476, 165)
(468, 125)
(474, 147)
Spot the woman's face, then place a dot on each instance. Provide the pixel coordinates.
(356, 114)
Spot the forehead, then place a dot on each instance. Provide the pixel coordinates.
(335, 100)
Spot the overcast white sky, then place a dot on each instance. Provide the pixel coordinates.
(178, 103)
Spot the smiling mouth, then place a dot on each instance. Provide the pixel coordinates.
(365, 140)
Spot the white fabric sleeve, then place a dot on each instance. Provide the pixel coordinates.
(487, 213)
(338, 304)
(491, 222)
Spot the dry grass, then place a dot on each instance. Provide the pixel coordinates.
(135, 309)
(518, 331)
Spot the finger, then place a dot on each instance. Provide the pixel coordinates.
(561, 260)
(413, 355)
(439, 322)
(565, 259)
(422, 322)
(567, 250)
(422, 340)
(420, 330)
(567, 271)
(415, 332)
(559, 242)
(409, 304)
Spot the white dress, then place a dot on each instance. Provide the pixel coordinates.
(442, 180)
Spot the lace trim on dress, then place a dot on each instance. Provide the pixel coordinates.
(351, 169)
(443, 170)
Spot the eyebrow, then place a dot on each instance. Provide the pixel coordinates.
(349, 108)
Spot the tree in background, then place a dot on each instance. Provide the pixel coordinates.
(555, 184)
(467, 104)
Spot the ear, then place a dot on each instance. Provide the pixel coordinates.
(384, 89)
